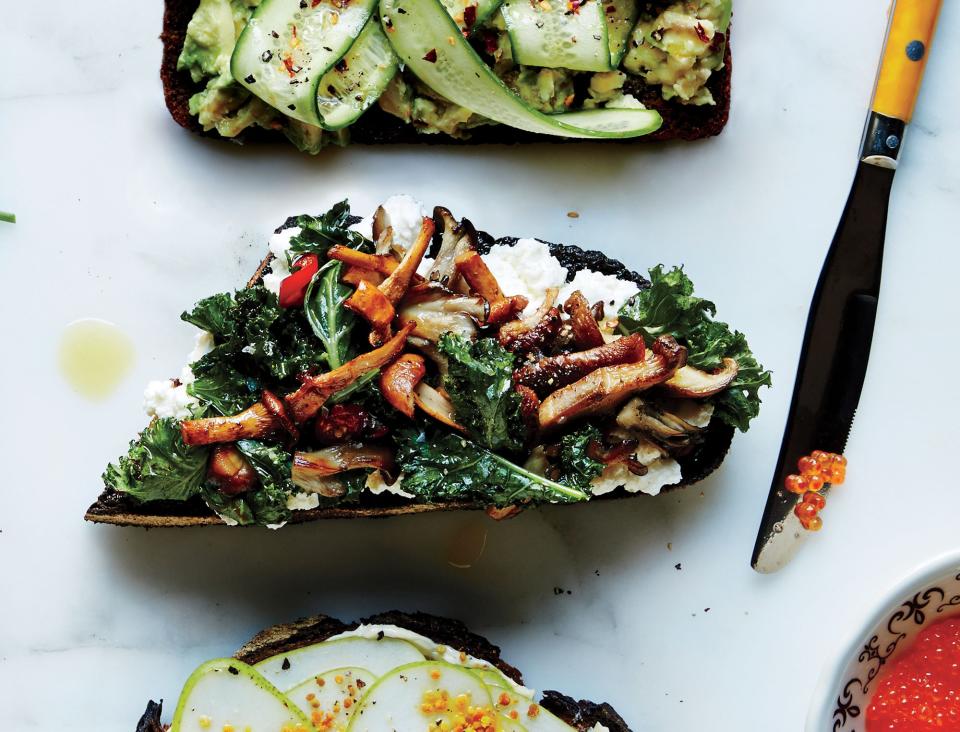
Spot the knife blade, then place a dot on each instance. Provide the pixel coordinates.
(836, 344)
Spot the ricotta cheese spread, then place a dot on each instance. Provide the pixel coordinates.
(280, 264)
(404, 214)
(660, 473)
(527, 268)
(169, 397)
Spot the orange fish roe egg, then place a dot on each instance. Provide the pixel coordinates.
(311, 696)
(435, 674)
(338, 679)
(347, 703)
(514, 714)
(321, 682)
(504, 699)
(533, 710)
(919, 689)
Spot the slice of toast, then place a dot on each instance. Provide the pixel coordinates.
(680, 121)
(581, 715)
(113, 507)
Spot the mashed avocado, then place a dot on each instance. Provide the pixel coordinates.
(677, 48)
(680, 48)
(223, 105)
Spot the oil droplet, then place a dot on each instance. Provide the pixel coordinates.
(94, 357)
(467, 544)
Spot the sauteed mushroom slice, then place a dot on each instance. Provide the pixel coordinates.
(606, 388)
(312, 470)
(399, 379)
(534, 332)
(586, 332)
(397, 284)
(230, 471)
(481, 280)
(372, 305)
(254, 422)
(455, 239)
(554, 372)
(437, 405)
(696, 384)
(437, 310)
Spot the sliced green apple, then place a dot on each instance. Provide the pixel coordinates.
(397, 701)
(328, 694)
(510, 725)
(288, 670)
(226, 693)
(508, 701)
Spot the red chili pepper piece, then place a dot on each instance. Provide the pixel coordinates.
(294, 288)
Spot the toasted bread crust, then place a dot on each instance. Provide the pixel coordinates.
(376, 127)
(581, 715)
(113, 507)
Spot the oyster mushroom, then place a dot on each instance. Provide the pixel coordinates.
(312, 470)
(455, 239)
(660, 425)
(437, 310)
(533, 332)
(437, 405)
(583, 323)
(481, 280)
(693, 383)
(399, 379)
(606, 388)
(554, 372)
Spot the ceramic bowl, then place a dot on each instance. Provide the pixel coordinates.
(929, 594)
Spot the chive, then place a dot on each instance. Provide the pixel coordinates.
(8, 217)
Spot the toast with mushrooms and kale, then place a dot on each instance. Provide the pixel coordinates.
(417, 364)
(390, 71)
(415, 669)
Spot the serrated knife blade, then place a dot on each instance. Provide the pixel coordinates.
(836, 344)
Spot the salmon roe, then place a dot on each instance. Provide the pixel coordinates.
(920, 689)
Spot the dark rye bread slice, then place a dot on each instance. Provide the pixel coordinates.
(113, 507)
(581, 715)
(680, 121)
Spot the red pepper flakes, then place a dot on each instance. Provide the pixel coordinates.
(431, 56)
(469, 16)
(702, 33)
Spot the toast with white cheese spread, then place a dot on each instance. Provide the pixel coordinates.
(412, 363)
(391, 71)
(419, 671)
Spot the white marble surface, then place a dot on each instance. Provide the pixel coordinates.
(124, 216)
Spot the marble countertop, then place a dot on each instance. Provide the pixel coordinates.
(648, 604)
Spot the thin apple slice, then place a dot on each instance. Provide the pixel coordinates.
(420, 696)
(288, 670)
(530, 716)
(330, 699)
(225, 693)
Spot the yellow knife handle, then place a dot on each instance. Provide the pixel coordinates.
(912, 25)
(905, 57)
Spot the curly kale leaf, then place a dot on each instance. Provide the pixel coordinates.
(669, 306)
(257, 344)
(439, 467)
(479, 381)
(576, 466)
(159, 466)
(319, 233)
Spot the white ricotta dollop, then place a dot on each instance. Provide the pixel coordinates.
(280, 265)
(377, 484)
(660, 473)
(169, 399)
(527, 268)
(302, 501)
(597, 287)
(404, 214)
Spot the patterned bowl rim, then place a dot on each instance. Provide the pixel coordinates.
(820, 715)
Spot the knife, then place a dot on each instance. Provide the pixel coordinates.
(836, 344)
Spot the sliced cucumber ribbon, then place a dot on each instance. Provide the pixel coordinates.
(288, 46)
(549, 33)
(430, 44)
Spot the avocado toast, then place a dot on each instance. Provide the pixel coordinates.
(416, 670)
(432, 367)
(393, 72)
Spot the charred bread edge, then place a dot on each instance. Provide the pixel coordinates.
(581, 715)
(116, 508)
(680, 122)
